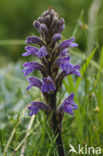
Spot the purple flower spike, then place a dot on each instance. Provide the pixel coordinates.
(42, 52)
(47, 85)
(31, 66)
(67, 43)
(56, 37)
(55, 65)
(34, 40)
(68, 105)
(34, 82)
(36, 106)
(31, 50)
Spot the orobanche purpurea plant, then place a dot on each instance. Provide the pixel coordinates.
(55, 66)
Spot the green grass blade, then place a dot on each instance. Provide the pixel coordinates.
(100, 92)
(83, 69)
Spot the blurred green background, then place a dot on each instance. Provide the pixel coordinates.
(16, 18)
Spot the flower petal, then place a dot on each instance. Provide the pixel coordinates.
(34, 40)
(47, 85)
(60, 25)
(37, 25)
(73, 45)
(76, 72)
(44, 28)
(31, 66)
(31, 50)
(56, 37)
(64, 52)
(34, 82)
(62, 28)
(77, 66)
(69, 98)
(64, 64)
(66, 43)
(36, 106)
(68, 68)
(69, 110)
(68, 105)
(42, 52)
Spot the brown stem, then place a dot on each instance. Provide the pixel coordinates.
(56, 126)
(55, 122)
(59, 144)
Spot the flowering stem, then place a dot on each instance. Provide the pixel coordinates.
(56, 124)
(53, 56)
(57, 133)
(60, 144)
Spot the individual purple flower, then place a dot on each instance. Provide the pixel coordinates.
(40, 53)
(36, 106)
(34, 40)
(31, 50)
(31, 66)
(72, 70)
(56, 37)
(68, 105)
(68, 68)
(60, 25)
(34, 82)
(47, 85)
(67, 43)
(37, 25)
